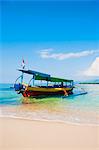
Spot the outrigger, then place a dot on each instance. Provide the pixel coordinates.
(53, 87)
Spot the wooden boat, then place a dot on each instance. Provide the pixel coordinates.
(54, 86)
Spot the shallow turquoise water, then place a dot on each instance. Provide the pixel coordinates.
(76, 109)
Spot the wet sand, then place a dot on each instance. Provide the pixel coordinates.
(19, 134)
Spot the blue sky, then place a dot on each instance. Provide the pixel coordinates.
(29, 28)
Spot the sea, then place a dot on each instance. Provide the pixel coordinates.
(76, 109)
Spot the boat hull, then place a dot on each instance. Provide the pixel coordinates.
(36, 92)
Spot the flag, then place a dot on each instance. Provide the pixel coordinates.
(23, 64)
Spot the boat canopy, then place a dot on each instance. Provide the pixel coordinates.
(43, 76)
(35, 73)
(52, 79)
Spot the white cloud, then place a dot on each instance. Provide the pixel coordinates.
(93, 69)
(47, 53)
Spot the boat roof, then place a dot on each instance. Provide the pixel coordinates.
(35, 73)
(53, 79)
(44, 76)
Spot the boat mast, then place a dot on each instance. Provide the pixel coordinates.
(22, 78)
(33, 79)
(47, 83)
(23, 67)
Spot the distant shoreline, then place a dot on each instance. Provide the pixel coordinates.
(89, 83)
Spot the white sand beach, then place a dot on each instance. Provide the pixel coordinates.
(18, 134)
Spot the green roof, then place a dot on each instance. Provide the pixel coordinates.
(52, 79)
(43, 76)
